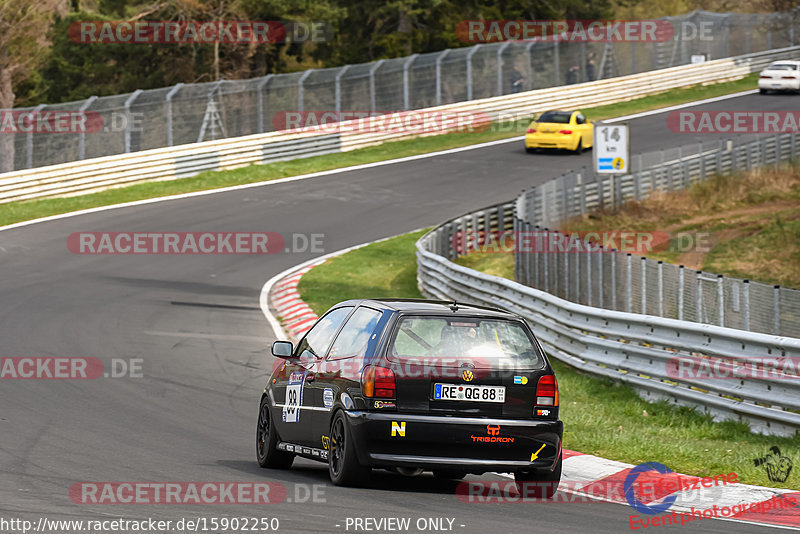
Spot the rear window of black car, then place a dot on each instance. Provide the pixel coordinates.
(484, 342)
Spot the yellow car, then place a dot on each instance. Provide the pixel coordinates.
(568, 130)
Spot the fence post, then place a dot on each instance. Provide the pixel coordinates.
(643, 285)
(680, 292)
(29, 136)
(699, 313)
(500, 51)
(337, 82)
(747, 36)
(777, 293)
(613, 279)
(746, 303)
(469, 69)
(629, 306)
(300, 90)
(82, 138)
(546, 262)
(660, 288)
(720, 300)
(171, 94)
(372, 70)
(588, 273)
(528, 63)
(406, 85)
(260, 102)
(439, 59)
(601, 286)
(702, 169)
(566, 274)
(556, 62)
(128, 121)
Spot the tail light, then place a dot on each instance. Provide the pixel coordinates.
(378, 382)
(788, 77)
(765, 77)
(530, 130)
(547, 391)
(565, 132)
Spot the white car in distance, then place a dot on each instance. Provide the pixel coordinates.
(780, 76)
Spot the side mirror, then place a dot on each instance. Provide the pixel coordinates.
(282, 349)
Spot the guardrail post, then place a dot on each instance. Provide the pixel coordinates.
(680, 292)
(777, 310)
(588, 253)
(128, 121)
(746, 303)
(168, 99)
(628, 284)
(469, 69)
(82, 138)
(720, 300)
(643, 285)
(660, 288)
(29, 135)
(699, 312)
(439, 59)
(702, 157)
(500, 51)
(337, 90)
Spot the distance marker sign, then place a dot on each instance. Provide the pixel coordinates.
(611, 149)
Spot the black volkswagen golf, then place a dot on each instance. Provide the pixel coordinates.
(413, 386)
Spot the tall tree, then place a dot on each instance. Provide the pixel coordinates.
(23, 25)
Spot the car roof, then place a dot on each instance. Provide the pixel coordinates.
(430, 306)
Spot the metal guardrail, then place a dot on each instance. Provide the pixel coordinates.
(636, 349)
(189, 113)
(190, 159)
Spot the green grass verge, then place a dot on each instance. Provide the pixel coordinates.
(600, 417)
(26, 210)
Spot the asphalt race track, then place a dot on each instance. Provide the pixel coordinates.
(196, 324)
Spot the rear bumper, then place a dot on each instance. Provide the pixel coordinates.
(779, 85)
(561, 141)
(470, 444)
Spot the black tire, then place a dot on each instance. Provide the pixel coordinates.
(530, 150)
(537, 483)
(762, 91)
(449, 475)
(578, 147)
(267, 439)
(343, 466)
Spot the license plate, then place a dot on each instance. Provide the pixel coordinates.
(461, 392)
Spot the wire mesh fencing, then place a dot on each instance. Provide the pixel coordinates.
(189, 113)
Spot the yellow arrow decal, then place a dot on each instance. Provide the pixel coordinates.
(535, 455)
